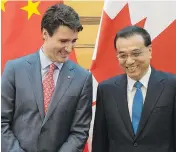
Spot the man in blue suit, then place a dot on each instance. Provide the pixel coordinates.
(136, 111)
(46, 98)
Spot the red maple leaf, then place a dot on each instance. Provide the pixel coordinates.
(164, 54)
(106, 64)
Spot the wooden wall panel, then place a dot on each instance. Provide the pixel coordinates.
(90, 13)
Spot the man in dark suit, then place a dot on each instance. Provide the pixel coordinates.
(46, 98)
(136, 111)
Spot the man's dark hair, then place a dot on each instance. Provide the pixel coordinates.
(60, 14)
(133, 30)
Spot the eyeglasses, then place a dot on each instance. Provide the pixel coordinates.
(134, 55)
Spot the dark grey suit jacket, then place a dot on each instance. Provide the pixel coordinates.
(157, 128)
(25, 127)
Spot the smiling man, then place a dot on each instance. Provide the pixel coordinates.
(46, 98)
(135, 111)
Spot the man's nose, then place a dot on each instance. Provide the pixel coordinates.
(69, 47)
(129, 60)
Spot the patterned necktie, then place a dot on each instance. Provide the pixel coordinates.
(48, 86)
(137, 106)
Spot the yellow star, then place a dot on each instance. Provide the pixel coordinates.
(3, 4)
(31, 8)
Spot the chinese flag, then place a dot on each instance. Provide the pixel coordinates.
(158, 18)
(21, 34)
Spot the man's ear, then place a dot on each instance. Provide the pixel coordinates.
(45, 34)
(150, 50)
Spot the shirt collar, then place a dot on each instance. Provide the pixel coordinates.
(144, 80)
(45, 61)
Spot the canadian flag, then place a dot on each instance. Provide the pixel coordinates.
(157, 17)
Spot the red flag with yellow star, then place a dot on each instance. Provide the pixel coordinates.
(21, 34)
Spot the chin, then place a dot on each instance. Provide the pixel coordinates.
(133, 76)
(62, 60)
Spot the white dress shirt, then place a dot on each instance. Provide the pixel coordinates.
(131, 90)
(45, 63)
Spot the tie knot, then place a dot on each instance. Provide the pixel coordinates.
(52, 67)
(138, 85)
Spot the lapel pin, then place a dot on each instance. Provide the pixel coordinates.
(69, 77)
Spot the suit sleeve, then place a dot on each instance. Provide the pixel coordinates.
(81, 123)
(9, 142)
(100, 134)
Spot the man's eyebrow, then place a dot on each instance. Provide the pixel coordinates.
(75, 39)
(64, 39)
(136, 50)
(119, 52)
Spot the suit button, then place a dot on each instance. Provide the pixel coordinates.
(43, 130)
(135, 144)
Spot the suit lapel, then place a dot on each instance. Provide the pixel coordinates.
(64, 80)
(155, 88)
(122, 103)
(34, 73)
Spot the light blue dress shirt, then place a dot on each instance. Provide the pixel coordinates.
(45, 63)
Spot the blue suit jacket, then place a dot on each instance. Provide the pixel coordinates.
(157, 128)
